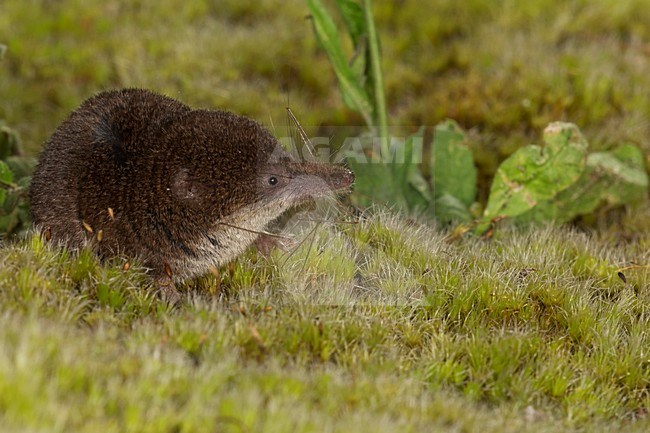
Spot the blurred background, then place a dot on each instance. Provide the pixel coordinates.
(503, 70)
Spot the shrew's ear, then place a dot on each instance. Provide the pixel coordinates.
(188, 189)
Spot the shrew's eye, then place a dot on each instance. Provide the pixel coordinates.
(273, 180)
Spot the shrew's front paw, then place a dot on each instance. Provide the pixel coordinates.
(266, 243)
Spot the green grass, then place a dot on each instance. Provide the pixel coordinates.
(383, 325)
(376, 326)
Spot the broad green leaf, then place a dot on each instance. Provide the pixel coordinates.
(6, 179)
(375, 184)
(6, 176)
(628, 166)
(327, 34)
(536, 174)
(21, 166)
(452, 166)
(448, 208)
(419, 194)
(397, 183)
(11, 200)
(16, 219)
(612, 178)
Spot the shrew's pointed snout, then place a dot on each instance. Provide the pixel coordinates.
(340, 178)
(312, 179)
(348, 176)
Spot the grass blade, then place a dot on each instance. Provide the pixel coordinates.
(380, 112)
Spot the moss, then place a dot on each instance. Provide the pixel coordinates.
(489, 327)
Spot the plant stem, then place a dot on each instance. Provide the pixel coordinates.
(380, 115)
(8, 185)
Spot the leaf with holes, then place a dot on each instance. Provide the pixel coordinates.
(536, 174)
(611, 178)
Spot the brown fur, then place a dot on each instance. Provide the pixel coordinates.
(144, 175)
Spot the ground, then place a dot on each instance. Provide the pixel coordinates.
(383, 325)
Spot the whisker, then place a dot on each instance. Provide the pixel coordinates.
(311, 243)
(251, 231)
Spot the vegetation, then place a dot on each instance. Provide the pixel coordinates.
(15, 171)
(379, 326)
(557, 182)
(385, 323)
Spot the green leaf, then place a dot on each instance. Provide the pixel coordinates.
(3, 50)
(353, 16)
(14, 210)
(6, 176)
(418, 194)
(612, 178)
(356, 25)
(452, 166)
(394, 183)
(353, 93)
(6, 180)
(9, 204)
(625, 165)
(375, 83)
(21, 166)
(536, 174)
(375, 183)
(448, 209)
(9, 142)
